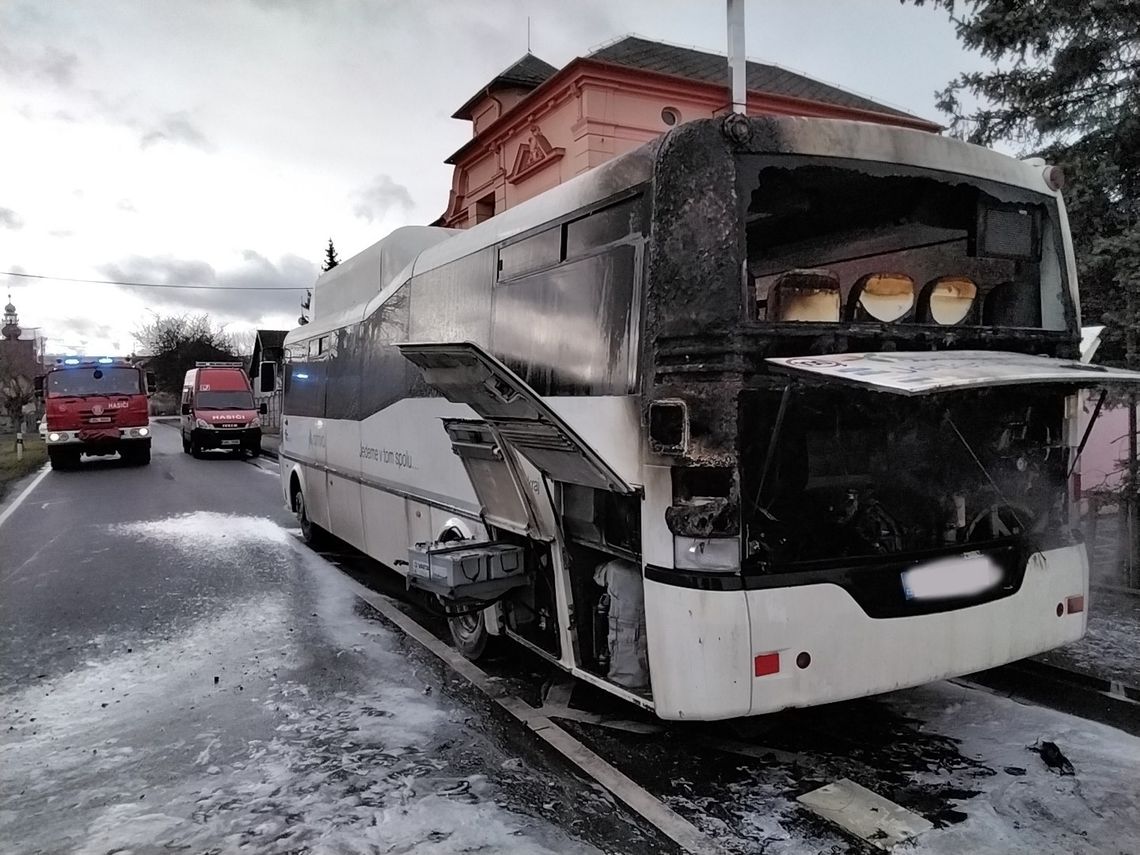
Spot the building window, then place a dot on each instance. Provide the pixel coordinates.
(485, 208)
(670, 116)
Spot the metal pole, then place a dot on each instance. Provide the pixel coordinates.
(1132, 528)
(737, 63)
(1132, 498)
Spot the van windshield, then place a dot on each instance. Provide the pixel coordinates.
(238, 399)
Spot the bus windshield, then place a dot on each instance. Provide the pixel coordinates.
(839, 241)
(846, 473)
(94, 381)
(237, 399)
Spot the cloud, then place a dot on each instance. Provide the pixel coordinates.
(9, 219)
(222, 302)
(82, 329)
(175, 128)
(127, 205)
(381, 195)
(46, 65)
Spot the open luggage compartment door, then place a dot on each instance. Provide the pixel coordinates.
(495, 477)
(466, 374)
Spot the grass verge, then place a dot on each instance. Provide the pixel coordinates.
(11, 469)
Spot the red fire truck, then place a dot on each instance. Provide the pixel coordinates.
(96, 406)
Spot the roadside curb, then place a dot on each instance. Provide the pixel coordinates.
(1046, 670)
(1116, 589)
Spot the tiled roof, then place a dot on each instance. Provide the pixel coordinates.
(528, 73)
(637, 52)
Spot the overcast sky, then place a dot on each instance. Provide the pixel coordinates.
(222, 142)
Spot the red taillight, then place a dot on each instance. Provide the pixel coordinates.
(767, 663)
(1074, 605)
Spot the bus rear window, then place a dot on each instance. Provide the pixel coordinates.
(886, 239)
(94, 381)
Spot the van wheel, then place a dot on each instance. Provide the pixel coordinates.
(469, 632)
(185, 444)
(195, 449)
(312, 533)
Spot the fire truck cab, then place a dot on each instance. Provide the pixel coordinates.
(218, 410)
(96, 406)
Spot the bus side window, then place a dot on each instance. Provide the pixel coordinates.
(604, 227)
(305, 382)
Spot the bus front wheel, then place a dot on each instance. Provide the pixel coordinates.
(311, 533)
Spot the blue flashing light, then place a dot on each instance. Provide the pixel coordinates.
(71, 361)
(301, 376)
(105, 360)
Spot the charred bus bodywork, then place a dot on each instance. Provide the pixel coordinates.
(808, 378)
(871, 535)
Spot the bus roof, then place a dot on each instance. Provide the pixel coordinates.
(343, 295)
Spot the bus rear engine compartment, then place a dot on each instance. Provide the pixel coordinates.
(833, 474)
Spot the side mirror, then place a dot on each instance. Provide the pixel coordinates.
(151, 383)
(267, 377)
(263, 408)
(185, 409)
(38, 385)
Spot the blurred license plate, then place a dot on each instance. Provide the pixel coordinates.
(959, 576)
(231, 442)
(99, 419)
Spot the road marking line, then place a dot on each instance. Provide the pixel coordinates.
(19, 500)
(649, 807)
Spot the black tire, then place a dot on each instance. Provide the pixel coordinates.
(254, 450)
(469, 632)
(136, 454)
(195, 449)
(63, 459)
(311, 533)
(185, 444)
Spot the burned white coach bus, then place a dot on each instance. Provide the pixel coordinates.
(766, 413)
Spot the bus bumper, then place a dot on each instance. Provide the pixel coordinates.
(724, 654)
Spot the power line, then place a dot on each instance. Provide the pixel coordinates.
(159, 284)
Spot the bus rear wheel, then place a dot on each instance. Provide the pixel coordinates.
(469, 632)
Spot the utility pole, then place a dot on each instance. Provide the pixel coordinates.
(737, 60)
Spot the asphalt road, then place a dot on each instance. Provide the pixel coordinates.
(178, 672)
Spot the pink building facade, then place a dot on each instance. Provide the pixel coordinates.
(535, 126)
